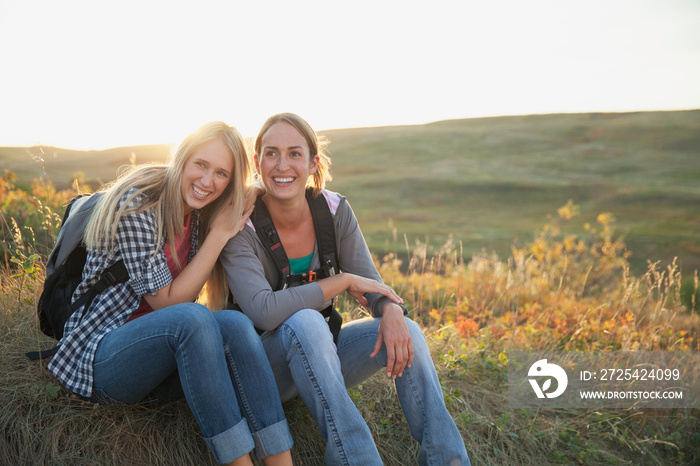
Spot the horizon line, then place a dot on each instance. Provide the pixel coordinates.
(617, 112)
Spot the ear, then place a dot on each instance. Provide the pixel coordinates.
(313, 166)
(257, 163)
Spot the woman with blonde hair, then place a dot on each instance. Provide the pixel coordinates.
(147, 339)
(311, 354)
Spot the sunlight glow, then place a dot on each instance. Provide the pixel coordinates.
(82, 75)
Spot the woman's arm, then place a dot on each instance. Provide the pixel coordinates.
(252, 278)
(136, 239)
(188, 284)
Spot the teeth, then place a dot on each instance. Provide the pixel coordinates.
(284, 180)
(198, 192)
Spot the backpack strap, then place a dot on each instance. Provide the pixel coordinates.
(325, 239)
(325, 236)
(266, 231)
(114, 274)
(325, 232)
(43, 354)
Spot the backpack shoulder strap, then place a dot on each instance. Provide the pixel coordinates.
(328, 256)
(114, 274)
(325, 235)
(266, 231)
(325, 238)
(325, 232)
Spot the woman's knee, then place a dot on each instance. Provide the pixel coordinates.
(308, 325)
(237, 329)
(234, 322)
(195, 319)
(192, 313)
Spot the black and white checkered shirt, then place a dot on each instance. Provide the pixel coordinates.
(135, 243)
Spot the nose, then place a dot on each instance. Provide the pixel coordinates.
(207, 178)
(282, 162)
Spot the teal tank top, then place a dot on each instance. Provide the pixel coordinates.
(301, 265)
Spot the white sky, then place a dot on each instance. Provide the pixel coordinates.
(96, 74)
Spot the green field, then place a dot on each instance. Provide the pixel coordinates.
(489, 182)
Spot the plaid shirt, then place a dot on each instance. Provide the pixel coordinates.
(135, 242)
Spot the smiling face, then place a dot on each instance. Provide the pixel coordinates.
(284, 161)
(206, 174)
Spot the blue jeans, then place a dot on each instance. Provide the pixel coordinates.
(214, 359)
(307, 363)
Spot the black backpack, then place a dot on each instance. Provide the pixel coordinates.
(64, 272)
(325, 238)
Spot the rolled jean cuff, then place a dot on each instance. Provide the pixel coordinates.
(272, 440)
(231, 444)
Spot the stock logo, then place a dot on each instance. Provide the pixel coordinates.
(542, 369)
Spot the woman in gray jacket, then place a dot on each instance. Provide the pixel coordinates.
(305, 359)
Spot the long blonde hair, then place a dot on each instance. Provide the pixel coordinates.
(157, 187)
(317, 146)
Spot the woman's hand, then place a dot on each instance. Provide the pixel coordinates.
(360, 285)
(189, 283)
(394, 334)
(258, 189)
(226, 224)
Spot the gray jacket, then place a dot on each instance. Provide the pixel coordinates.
(252, 275)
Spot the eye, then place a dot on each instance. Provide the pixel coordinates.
(199, 163)
(270, 153)
(222, 174)
(295, 154)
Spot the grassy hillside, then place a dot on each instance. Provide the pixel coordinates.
(62, 165)
(490, 181)
(562, 287)
(560, 292)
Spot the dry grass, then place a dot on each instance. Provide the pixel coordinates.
(562, 291)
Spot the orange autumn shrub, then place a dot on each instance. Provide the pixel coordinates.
(562, 291)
